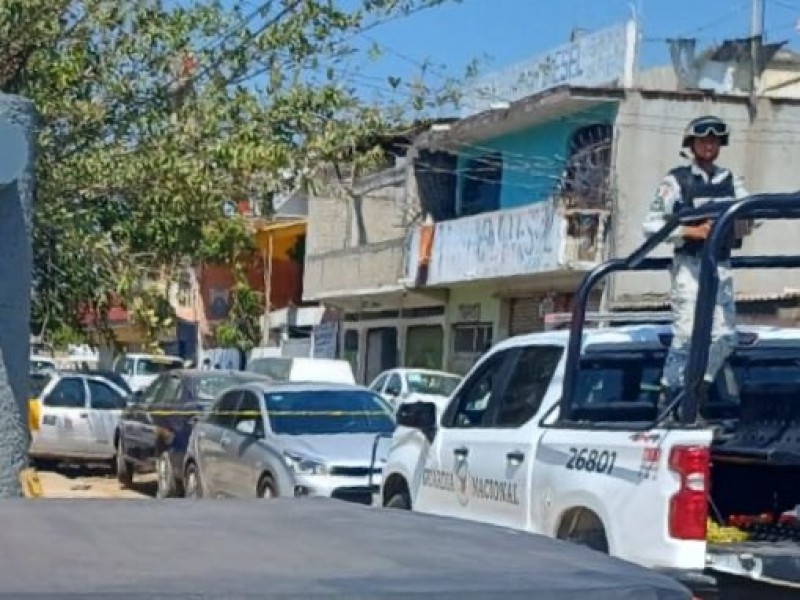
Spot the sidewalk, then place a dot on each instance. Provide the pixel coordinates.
(58, 485)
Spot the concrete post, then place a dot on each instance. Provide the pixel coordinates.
(17, 126)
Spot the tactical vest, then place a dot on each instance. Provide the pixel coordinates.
(693, 186)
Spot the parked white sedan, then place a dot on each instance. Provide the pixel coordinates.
(398, 386)
(77, 418)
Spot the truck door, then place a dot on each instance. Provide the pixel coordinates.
(493, 459)
(454, 459)
(507, 450)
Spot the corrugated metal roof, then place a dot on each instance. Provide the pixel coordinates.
(652, 302)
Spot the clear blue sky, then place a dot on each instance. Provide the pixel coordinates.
(512, 30)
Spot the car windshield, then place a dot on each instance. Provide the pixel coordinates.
(155, 366)
(434, 384)
(326, 412)
(37, 382)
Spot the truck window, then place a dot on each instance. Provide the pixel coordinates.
(527, 385)
(475, 399)
(618, 388)
(625, 388)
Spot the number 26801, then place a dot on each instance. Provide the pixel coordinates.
(593, 461)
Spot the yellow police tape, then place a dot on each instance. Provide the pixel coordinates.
(257, 413)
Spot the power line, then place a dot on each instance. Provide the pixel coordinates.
(716, 22)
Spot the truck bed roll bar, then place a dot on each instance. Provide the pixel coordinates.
(760, 207)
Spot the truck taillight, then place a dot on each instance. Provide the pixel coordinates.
(688, 508)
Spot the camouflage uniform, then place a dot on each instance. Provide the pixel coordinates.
(670, 198)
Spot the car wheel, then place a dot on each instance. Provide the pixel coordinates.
(165, 478)
(399, 500)
(124, 468)
(266, 488)
(192, 482)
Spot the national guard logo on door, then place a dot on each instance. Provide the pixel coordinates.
(462, 483)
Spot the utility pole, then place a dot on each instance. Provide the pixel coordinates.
(17, 126)
(756, 42)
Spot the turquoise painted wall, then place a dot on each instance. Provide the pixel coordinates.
(533, 159)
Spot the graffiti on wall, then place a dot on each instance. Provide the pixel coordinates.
(604, 57)
(497, 244)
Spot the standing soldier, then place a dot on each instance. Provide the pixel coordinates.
(685, 188)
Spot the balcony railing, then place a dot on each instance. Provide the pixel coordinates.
(538, 238)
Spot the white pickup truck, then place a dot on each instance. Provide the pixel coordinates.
(498, 454)
(558, 433)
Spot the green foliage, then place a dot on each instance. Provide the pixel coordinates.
(242, 328)
(64, 336)
(153, 113)
(225, 241)
(152, 313)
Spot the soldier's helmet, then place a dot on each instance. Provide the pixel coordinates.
(704, 127)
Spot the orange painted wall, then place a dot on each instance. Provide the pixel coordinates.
(286, 284)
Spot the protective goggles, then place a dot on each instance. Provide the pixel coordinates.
(706, 128)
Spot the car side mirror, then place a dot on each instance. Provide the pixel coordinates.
(247, 427)
(418, 415)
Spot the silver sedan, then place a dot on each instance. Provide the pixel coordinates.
(295, 439)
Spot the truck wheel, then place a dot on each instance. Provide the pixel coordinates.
(399, 500)
(584, 528)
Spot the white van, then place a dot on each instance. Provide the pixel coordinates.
(140, 370)
(321, 370)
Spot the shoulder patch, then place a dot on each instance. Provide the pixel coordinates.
(659, 202)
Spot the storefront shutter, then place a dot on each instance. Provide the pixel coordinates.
(524, 316)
